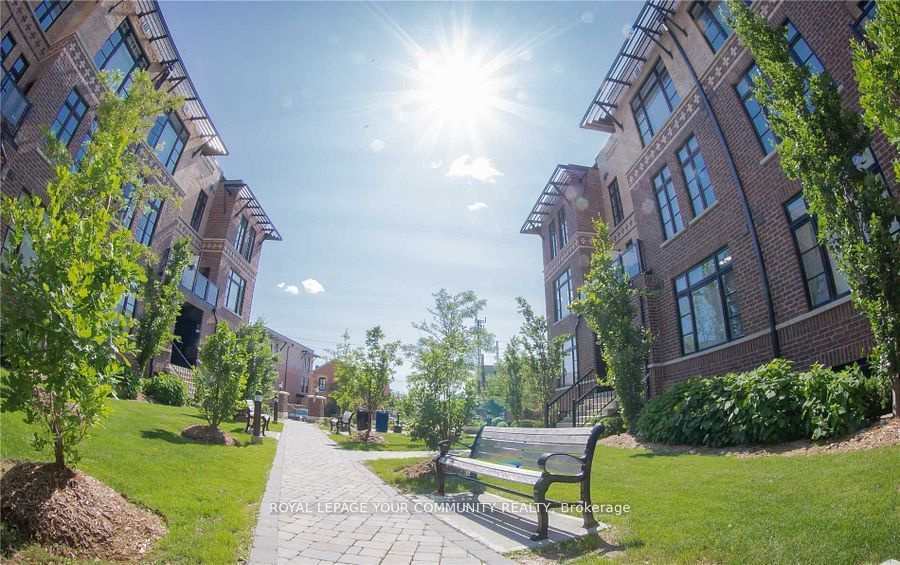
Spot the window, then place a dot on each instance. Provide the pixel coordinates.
(669, 212)
(121, 53)
(24, 248)
(708, 307)
(48, 11)
(147, 224)
(867, 162)
(755, 111)
(563, 228)
(569, 362)
(629, 261)
(696, 177)
(69, 117)
(801, 52)
(241, 233)
(823, 281)
(6, 46)
(321, 384)
(199, 208)
(130, 195)
(82, 149)
(234, 293)
(251, 241)
(168, 138)
(563, 288)
(127, 304)
(712, 18)
(18, 68)
(867, 12)
(615, 200)
(554, 241)
(654, 102)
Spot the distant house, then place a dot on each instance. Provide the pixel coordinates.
(321, 386)
(294, 367)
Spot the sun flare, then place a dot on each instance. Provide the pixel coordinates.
(456, 87)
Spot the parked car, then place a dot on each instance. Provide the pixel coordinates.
(301, 414)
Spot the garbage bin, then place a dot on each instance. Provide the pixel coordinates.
(363, 419)
(381, 421)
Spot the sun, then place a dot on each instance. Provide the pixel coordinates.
(456, 87)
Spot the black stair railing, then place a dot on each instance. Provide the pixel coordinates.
(561, 405)
(592, 402)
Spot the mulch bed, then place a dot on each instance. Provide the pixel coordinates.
(418, 470)
(207, 434)
(883, 434)
(373, 438)
(75, 515)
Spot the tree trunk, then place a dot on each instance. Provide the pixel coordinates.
(895, 384)
(58, 451)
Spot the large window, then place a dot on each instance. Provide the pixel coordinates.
(629, 261)
(147, 224)
(712, 18)
(48, 11)
(322, 384)
(669, 211)
(755, 110)
(696, 176)
(248, 247)
(18, 68)
(199, 208)
(130, 195)
(823, 281)
(168, 138)
(241, 234)
(708, 307)
(69, 117)
(6, 46)
(654, 102)
(234, 292)
(615, 202)
(801, 51)
(569, 362)
(867, 12)
(563, 228)
(563, 294)
(121, 53)
(554, 240)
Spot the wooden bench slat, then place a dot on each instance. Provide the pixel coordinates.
(487, 445)
(557, 465)
(490, 469)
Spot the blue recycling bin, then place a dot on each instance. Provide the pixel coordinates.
(381, 421)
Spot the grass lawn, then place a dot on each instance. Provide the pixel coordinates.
(830, 508)
(393, 442)
(208, 495)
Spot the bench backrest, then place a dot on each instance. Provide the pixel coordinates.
(346, 417)
(249, 407)
(521, 447)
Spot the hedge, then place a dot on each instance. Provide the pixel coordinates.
(769, 404)
(166, 388)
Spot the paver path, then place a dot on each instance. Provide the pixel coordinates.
(309, 512)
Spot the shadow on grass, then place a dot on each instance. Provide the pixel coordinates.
(166, 435)
(592, 545)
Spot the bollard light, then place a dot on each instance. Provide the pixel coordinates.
(257, 414)
(258, 396)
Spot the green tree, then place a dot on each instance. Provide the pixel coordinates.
(377, 370)
(63, 340)
(260, 359)
(607, 305)
(347, 361)
(543, 356)
(512, 370)
(222, 375)
(162, 300)
(443, 389)
(821, 142)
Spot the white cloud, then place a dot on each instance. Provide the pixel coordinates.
(436, 164)
(479, 168)
(587, 17)
(289, 288)
(377, 145)
(312, 286)
(475, 206)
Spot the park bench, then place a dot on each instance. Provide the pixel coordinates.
(536, 457)
(342, 423)
(263, 419)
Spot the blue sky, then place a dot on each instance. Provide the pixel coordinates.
(385, 186)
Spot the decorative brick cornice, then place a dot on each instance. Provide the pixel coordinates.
(661, 141)
(578, 240)
(29, 28)
(225, 247)
(624, 228)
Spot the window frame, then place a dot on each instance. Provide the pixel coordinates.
(674, 212)
(7, 51)
(571, 345)
(558, 284)
(615, 202)
(17, 71)
(554, 239)
(247, 253)
(717, 276)
(690, 158)
(241, 283)
(51, 8)
(125, 33)
(152, 206)
(828, 266)
(866, 13)
(563, 227)
(182, 135)
(71, 111)
(747, 76)
(722, 28)
(241, 234)
(199, 211)
(639, 104)
(636, 245)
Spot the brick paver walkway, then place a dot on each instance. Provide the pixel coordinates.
(309, 512)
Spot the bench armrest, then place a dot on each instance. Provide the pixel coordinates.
(545, 458)
(444, 446)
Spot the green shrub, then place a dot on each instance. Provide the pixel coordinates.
(769, 404)
(499, 422)
(529, 424)
(129, 386)
(166, 388)
(612, 425)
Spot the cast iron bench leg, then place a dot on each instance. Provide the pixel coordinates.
(589, 520)
(540, 498)
(441, 476)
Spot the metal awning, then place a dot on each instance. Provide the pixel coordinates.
(645, 32)
(174, 74)
(252, 206)
(550, 196)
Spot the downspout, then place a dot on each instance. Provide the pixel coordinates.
(745, 207)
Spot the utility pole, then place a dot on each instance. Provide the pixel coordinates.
(479, 325)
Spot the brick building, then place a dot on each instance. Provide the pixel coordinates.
(690, 186)
(321, 384)
(294, 367)
(51, 54)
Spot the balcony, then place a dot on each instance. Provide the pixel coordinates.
(198, 285)
(15, 106)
